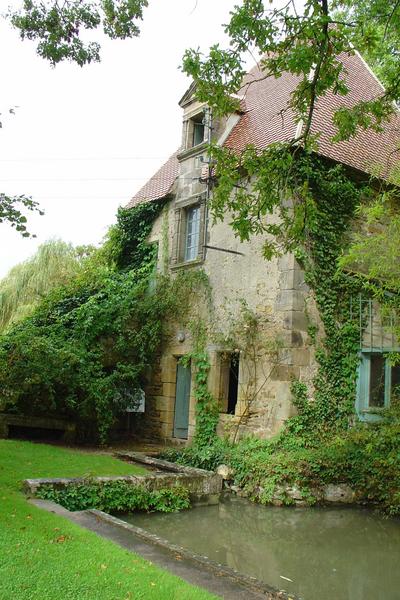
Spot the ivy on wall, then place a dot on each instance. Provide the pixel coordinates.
(207, 408)
(336, 197)
(86, 348)
(127, 245)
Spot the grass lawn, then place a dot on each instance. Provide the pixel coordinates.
(45, 557)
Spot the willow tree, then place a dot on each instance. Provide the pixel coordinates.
(54, 264)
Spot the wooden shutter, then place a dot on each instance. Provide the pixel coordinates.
(175, 254)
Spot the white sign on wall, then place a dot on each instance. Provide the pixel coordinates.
(138, 402)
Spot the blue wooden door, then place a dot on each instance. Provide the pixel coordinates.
(182, 399)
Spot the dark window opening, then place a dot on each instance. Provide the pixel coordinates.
(229, 382)
(377, 381)
(395, 382)
(233, 384)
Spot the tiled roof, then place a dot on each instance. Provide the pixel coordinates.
(368, 150)
(159, 185)
(267, 119)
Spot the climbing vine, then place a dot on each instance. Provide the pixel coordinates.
(127, 244)
(252, 338)
(207, 409)
(85, 350)
(314, 225)
(336, 198)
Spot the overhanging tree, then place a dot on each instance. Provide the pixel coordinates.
(11, 211)
(306, 42)
(60, 28)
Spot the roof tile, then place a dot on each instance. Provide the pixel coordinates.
(159, 185)
(268, 118)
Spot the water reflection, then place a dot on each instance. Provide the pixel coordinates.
(341, 554)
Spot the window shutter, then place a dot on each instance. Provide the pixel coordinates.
(175, 254)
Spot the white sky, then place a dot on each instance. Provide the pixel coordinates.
(84, 140)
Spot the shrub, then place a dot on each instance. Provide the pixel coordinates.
(86, 348)
(366, 457)
(116, 496)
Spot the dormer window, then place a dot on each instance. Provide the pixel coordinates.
(194, 130)
(198, 129)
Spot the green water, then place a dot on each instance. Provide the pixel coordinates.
(328, 554)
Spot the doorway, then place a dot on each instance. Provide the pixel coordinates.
(182, 401)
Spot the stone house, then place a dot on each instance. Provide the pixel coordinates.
(253, 392)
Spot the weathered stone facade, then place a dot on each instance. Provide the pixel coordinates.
(273, 290)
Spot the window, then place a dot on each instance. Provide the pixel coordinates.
(198, 133)
(192, 236)
(196, 130)
(189, 230)
(229, 382)
(378, 381)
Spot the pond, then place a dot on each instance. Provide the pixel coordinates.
(315, 553)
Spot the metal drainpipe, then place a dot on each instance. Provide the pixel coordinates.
(208, 119)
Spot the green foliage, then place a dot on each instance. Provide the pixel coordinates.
(200, 456)
(207, 409)
(252, 186)
(86, 348)
(116, 496)
(60, 29)
(373, 256)
(88, 345)
(377, 41)
(85, 361)
(54, 264)
(367, 458)
(127, 245)
(336, 198)
(11, 213)
(306, 41)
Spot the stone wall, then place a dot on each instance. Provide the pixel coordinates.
(204, 487)
(274, 290)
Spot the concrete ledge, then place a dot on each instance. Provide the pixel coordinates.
(204, 487)
(160, 464)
